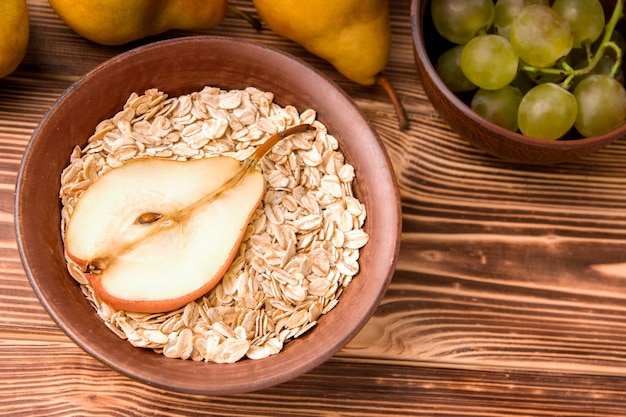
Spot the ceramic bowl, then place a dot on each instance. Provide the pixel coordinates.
(177, 67)
(493, 139)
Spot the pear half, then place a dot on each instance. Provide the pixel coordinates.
(153, 235)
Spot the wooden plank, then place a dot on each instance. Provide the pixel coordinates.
(73, 384)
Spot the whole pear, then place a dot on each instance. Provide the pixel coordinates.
(117, 22)
(353, 35)
(14, 32)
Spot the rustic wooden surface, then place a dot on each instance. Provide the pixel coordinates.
(509, 297)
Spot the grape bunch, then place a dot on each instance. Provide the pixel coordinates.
(540, 67)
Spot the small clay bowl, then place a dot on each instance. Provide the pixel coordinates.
(177, 67)
(489, 137)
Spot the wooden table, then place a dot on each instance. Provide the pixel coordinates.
(509, 297)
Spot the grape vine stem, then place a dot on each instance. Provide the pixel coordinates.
(606, 43)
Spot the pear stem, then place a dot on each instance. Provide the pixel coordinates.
(254, 22)
(256, 156)
(403, 120)
(263, 148)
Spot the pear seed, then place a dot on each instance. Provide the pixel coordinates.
(149, 218)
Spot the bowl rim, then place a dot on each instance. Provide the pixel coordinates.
(284, 373)
(418, 10)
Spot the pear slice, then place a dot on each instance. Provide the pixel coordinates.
(154, 234)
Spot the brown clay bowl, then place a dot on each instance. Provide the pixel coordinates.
(177, 67)
(495, 140)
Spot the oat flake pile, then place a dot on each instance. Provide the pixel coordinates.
(301, 248)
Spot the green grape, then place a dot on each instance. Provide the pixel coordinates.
(489, 61)
(449, 69)
(547, 111)
(601, 105)
(498, 106)
(585, 18)
(506, 10)
(540, 36)
(460, 20)
(605, 66)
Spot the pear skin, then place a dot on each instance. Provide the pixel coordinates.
(117, 22)
(14, 34)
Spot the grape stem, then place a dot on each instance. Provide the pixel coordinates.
(606, 43)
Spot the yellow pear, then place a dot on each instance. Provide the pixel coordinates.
(14, 32)
(116, 22)
(353, 35)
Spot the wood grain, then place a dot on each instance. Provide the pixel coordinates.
(509, 298)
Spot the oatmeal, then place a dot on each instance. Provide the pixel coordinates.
(300, 250)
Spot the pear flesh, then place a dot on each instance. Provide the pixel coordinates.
(153, 235)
